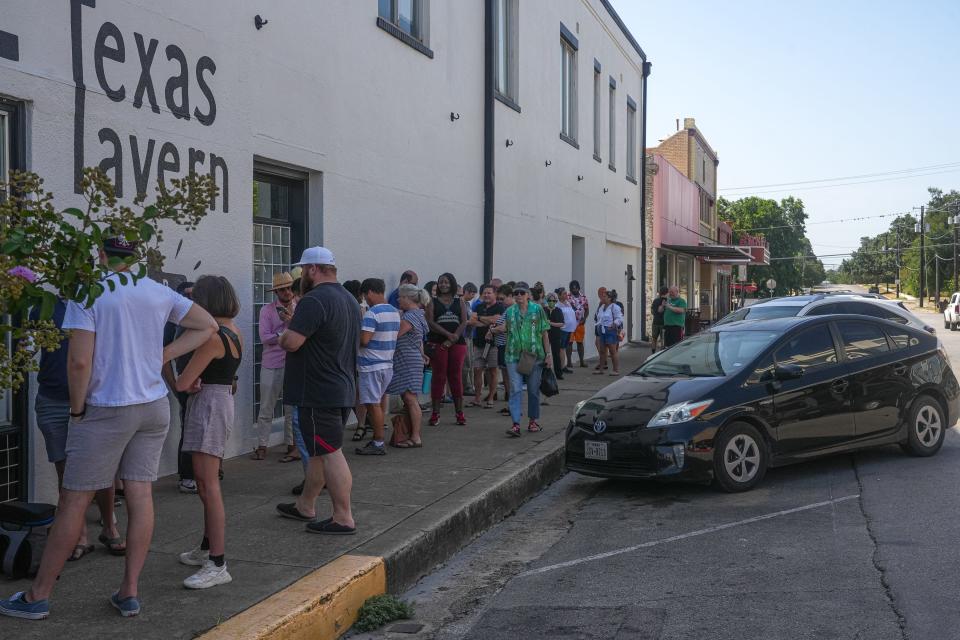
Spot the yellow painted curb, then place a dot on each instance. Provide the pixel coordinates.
(319, 606)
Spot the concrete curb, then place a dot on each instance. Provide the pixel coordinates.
(323, 604)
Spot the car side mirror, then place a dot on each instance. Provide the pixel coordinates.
(787, 372)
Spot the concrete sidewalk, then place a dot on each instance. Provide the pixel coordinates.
(414, 508)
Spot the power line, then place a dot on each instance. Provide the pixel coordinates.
(848, 184)
(863, 175)
(860, 252)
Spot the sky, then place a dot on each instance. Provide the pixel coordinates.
(798, 91)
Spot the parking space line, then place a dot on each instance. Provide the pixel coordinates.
(684, 536)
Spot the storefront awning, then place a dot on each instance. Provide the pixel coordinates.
(714, 253)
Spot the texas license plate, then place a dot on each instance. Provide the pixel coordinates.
(595, 450)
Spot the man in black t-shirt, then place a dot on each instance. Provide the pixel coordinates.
(321, 342)
(486, 315)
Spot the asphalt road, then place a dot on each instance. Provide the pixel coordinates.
(855, 546)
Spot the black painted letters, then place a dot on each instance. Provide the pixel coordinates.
(146, 82)
(181, 82)
(206, 64)
(164, 165)
(116, 53)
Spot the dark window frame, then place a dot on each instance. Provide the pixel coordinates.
(19, 427)
(420, 42)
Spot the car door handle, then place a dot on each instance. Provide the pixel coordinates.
(839, 386)
(899, 369)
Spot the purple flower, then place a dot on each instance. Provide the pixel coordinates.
(23, 272)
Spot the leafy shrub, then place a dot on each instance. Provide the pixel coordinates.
(379, 610)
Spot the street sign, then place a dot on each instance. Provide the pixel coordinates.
(897, 282)
(771, 284)
(741, 272)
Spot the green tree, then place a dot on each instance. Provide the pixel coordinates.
(793, 264)
(46, 253)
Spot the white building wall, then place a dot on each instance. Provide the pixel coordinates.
(394, 184)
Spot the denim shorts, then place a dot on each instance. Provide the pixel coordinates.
(53, 416)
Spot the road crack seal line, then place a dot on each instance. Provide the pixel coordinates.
(875, 556)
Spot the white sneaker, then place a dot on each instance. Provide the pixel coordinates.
(195, 557)
(188, 486)
(209, 576)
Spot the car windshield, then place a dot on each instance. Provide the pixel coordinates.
(710, 354)
(763, 312)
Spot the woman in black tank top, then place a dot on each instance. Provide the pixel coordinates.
(210, 378)
(447, 317)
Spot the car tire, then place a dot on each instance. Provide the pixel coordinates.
(926, 427)
(740, 458)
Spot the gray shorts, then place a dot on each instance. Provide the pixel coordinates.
(490, 362)
(209, 420)
(123, 442)
(53, 416)
(373, 384)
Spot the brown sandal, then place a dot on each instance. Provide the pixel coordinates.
(259, 453)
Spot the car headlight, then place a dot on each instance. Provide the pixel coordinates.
(680, 412)
(576, 409)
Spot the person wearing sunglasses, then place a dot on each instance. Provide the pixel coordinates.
(527, 352)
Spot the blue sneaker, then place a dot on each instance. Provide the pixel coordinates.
(126, 606)
(17, 607)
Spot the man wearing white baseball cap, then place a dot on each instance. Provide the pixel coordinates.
(321, 342)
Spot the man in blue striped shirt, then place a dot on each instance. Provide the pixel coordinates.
(378, 339)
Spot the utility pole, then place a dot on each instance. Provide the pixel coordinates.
(898, 262)
(923, 255)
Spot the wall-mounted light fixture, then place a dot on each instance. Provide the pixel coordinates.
(509, 142)
(454, 116)
(258, 22)
(579, 178)
(605, 190)
(547, 163)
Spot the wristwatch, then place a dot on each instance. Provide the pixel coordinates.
(82, 413)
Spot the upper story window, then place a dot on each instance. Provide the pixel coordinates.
(597, 88)
(506, 51)
(705, 207)
(612, 115)
(568, 85)
(407, 20)
(631, 139)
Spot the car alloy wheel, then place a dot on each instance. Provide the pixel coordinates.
(925, 427)
(928, 425)
(739, 457)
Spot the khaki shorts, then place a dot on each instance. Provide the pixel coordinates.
(123, 442)
(490, 362)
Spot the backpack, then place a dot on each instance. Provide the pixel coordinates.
(24, 527)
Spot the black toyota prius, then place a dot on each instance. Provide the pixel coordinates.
(726, 404)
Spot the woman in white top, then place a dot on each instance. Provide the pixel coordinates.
(609, 320)
(569, 326)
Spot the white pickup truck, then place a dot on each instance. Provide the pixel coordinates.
(951, 315)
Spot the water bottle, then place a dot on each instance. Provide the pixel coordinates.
(427, 380)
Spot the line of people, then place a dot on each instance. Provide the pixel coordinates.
(327, 351)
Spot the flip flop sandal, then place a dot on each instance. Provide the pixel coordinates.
(289, 510)
(473, 404)
(407, 444)
(289, 458)
(488, 405)
(331, 528)
(79, 551)
(259, 453)
(505, 411)
(111, 545)
(360, 433)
